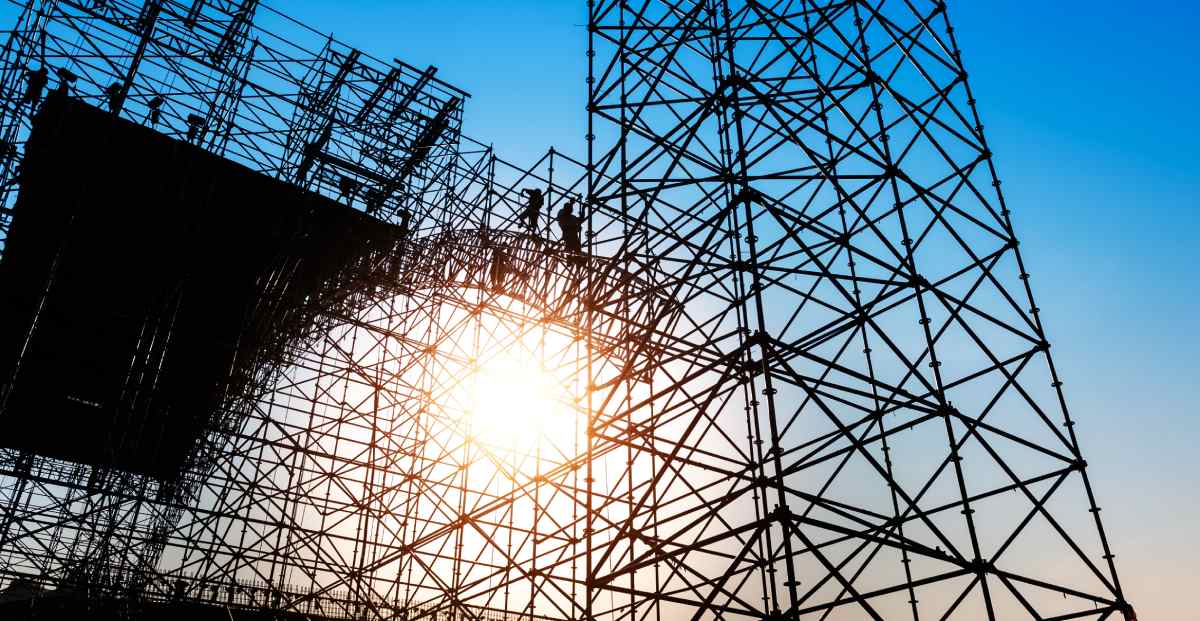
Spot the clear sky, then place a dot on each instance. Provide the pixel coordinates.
(1091, 107)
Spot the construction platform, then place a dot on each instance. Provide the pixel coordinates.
(146, 283)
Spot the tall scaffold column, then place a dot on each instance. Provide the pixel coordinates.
(858, 415)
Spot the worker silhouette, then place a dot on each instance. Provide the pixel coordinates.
(534, 201)
(374, 200)
(155, 113)
(195, 123)
(114, 97)
(571, 226)
(180, 590)
(35, 84)
(347, 188)
(66, 80)
(405, 222)
(499, 269)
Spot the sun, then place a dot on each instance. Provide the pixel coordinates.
(515, 404)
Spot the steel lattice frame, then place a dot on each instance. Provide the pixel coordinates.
(816, 176)
(800, 367)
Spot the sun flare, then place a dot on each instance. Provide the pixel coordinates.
(517, 405)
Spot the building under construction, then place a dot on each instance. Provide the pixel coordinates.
(278, 341)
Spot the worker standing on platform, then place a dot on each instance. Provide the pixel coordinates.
(572, 226)
(534, 202)
(35, 83)
(195, 123)
(114, 96)
(498, 270)
(405, 221)
(347, 188)
(374, 200)
(154, 110)
(66, 79)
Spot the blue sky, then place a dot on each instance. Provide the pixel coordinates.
(1091, 110)
(1090, 107)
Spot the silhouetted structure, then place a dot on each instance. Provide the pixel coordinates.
(134, 308)
(250, 276)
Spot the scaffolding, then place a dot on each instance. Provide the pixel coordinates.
(796, 372)
(244, 82)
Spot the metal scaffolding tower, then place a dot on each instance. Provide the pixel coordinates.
(794, 372)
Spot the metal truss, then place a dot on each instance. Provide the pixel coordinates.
(797, 371)
(863, 419)
(247, 83)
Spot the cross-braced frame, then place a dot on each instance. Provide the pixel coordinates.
(796, 372)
